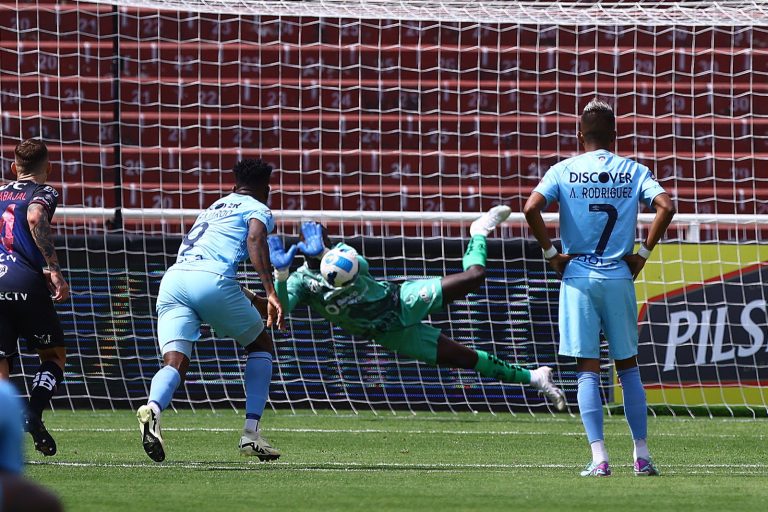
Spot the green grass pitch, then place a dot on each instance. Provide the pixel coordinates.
(400, 462)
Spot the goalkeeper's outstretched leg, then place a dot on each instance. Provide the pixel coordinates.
(457, 286)
(453, 354)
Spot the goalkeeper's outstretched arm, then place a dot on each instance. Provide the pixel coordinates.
(288, 294)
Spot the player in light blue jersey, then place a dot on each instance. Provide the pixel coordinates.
(202, 287)
(16, 492)
(599, 193)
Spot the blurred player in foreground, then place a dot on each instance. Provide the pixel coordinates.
(202, 287)
(599, 193)
(17, 494)
(29, 275)
(393, 314)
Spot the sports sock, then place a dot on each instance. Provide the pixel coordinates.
(590, 405)
(258, 375)
(640, 450)
(599, 453)
(635, 408)
(48, 375)
(164, 385)
(476, 252)
(491, 366)
(251, 425)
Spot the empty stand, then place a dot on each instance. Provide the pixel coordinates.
(144, 109)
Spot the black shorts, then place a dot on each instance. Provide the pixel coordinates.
(30, 316)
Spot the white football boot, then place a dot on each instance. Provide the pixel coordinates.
(547, 387)
(252, 444)
(488, 221)
(149, 425)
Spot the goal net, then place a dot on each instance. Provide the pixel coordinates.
(396, 123)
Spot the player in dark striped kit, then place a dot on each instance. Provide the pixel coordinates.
(30, 280)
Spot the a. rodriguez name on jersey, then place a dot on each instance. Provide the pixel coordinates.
(603, 177)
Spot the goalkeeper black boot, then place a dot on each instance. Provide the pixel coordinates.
(44, 442)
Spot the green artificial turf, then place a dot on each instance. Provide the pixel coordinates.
(400, 462)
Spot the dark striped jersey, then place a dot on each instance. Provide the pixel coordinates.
(21, 262)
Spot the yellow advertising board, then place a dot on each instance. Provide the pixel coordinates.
(703, 325)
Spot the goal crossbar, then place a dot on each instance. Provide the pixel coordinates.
(189, 214)
(726, 13)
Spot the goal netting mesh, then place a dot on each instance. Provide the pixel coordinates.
(396, 122)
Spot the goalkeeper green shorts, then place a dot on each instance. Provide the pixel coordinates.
(415, 339)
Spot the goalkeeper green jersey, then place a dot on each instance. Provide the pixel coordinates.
(365, 307)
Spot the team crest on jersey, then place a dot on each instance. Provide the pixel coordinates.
(3, 270)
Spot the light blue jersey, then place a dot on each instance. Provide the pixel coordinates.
(11, 430)
(217, 241)
(201, 287)
(599, 194)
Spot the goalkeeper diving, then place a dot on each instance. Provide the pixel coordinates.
(335, 283)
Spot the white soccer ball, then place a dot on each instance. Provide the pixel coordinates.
(339, 266)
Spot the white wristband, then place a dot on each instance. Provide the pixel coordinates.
(550, 253)
(282, 275)
(644, 252)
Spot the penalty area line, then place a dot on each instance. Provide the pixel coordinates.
(408, 431)
(748, 469)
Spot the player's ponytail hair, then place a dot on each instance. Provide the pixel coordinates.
(252, 172)
(31, 155)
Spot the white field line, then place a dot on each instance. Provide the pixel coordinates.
(409, 431)
(746, 469)
(432, 418)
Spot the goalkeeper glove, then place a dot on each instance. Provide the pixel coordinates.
(312, 245)
(280, 259)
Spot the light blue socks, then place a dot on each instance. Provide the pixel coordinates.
(164, 385)
(590, 405)
(258, 375)
(635, 407)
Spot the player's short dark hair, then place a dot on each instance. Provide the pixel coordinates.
(31, 155)
(598, 123)
(252, 172)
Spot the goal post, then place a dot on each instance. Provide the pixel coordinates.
(397, 122)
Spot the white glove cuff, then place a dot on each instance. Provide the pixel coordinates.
(281, 275)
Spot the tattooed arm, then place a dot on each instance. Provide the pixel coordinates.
(37, 218)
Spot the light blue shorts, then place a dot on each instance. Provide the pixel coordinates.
(589, 305)
(188, 298)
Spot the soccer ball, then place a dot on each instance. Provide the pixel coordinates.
(339, 266)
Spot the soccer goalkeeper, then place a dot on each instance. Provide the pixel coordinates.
(393, 314)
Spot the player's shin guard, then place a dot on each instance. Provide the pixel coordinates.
(477, 253)
(590, 405)
(43, 387)
(258, 375)
(491, 366)
(164, 385)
